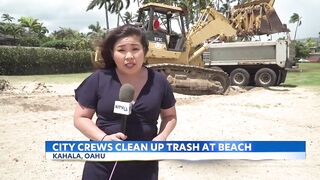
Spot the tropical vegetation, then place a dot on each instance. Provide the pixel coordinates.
(28, 31)
(30, 49)
(295, 18)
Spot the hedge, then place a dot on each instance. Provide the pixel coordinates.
(75, 44)
(29, 61)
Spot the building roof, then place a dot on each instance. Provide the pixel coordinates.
(161, 8)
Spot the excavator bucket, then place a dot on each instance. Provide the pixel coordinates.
(256, 18)
(275, 23)
(264, 26)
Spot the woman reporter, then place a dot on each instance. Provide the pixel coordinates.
(124, 51)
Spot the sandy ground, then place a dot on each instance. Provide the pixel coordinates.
(32, 113)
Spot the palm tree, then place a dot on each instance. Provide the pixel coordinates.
(96, 30)
(295, 18)
(138, 2)
(16, 30)
(95, 27)
(112, 6)
(128, 17)
(7, 17)
(33, 26)
(11, 29)
(65, 33)
(100, 4)
(42, 30)
(5, 28)
(188, 5)
(116, 7)
(30, 24)
(39, 29)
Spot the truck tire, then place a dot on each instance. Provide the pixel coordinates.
(239, 77)
(265, 77)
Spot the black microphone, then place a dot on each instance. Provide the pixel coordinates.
(124, 105)
(126, 93)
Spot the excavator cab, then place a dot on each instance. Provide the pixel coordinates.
(171, 34)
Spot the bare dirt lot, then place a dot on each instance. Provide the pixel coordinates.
(32, 113)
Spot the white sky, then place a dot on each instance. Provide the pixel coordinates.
(72, 13)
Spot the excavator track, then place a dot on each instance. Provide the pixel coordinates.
(194, 80)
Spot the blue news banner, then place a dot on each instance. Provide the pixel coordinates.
(174, 150)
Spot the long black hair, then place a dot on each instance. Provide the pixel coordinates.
(114, 35)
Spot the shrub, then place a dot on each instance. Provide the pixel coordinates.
(27, 61)
(71, 44)
(58, 44)
(28, 41)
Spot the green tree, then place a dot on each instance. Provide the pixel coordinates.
(41, 30)
(116, 6)
(7, 18)
(95, 28)
(128, 17)
(295, 18)
(112, 6)
(100, 4)
(8, 27)
(310, 43)
(302, 51)
(188, 5)
(66, 33)
(11, 29)
(30, 24)
(33, 27)
(96, 35)
(5, 28)
(97, 32)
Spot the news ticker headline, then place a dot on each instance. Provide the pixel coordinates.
(174, 150)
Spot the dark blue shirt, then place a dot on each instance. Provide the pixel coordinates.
(101, 89)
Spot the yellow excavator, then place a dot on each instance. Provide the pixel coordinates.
(178, 53)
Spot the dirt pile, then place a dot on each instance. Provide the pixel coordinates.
(4, 85)
(36, 87)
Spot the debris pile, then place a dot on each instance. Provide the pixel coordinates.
(4, 85)
(36, 87)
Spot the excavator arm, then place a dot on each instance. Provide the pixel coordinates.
(210, 24)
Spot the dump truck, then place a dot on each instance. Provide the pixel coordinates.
(177, 51)
(260, 63)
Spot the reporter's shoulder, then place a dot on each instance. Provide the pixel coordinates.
(99, 72)
(102, 71)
